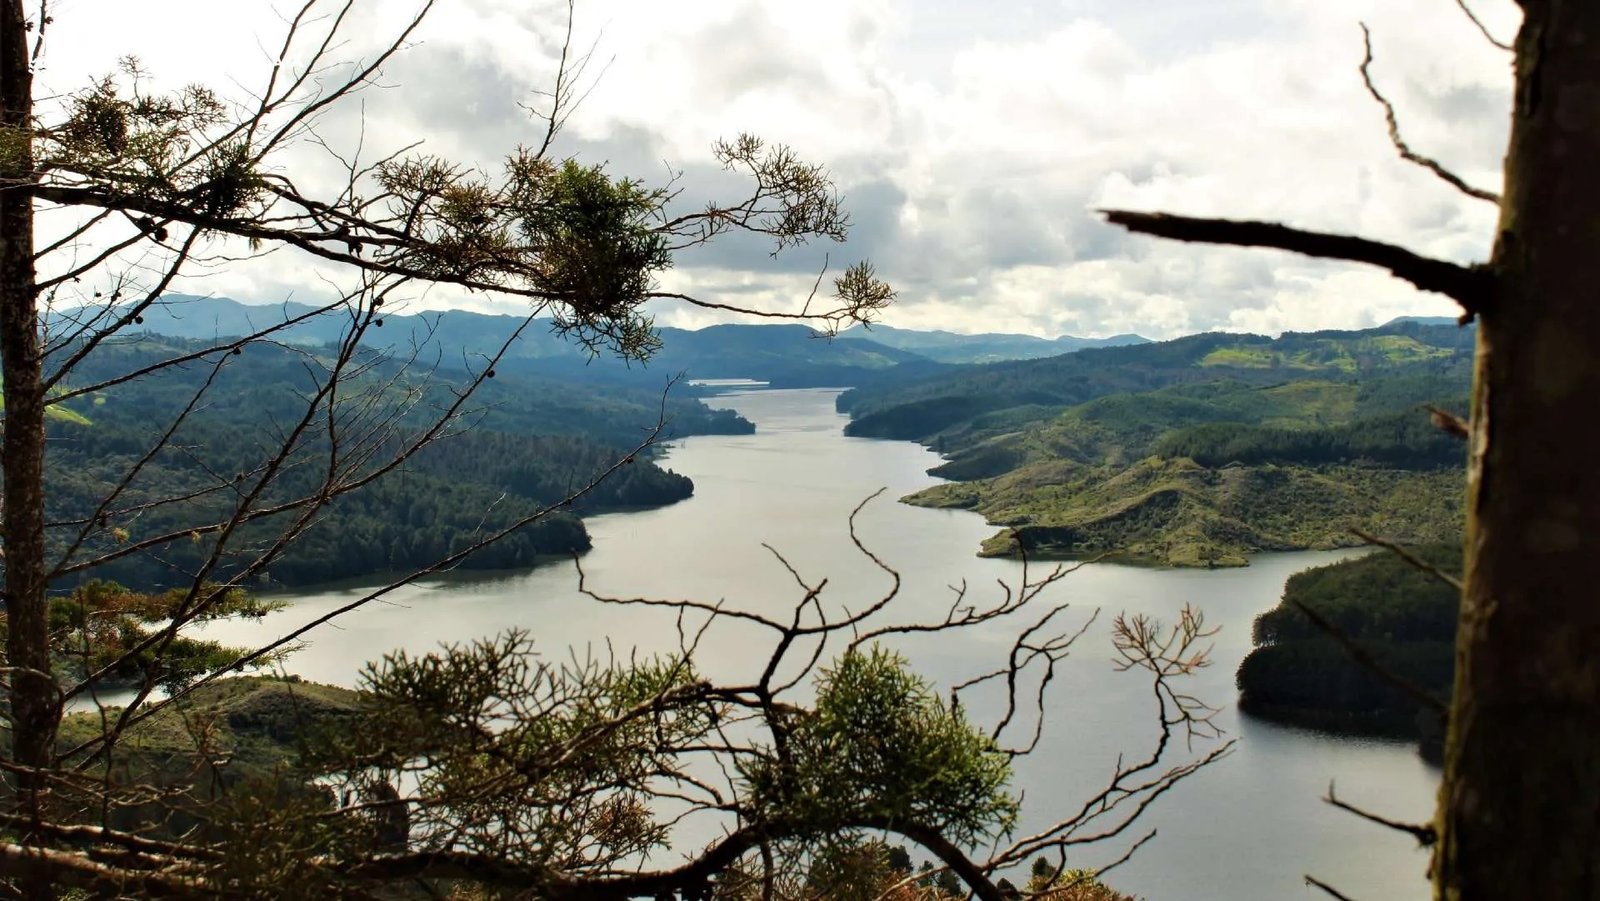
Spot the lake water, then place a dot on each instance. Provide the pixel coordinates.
(1245, 829)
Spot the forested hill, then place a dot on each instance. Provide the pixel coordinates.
(1403, 618)
(528, 441)
(1196, 451)
(915, 410)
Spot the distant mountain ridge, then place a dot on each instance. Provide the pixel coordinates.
(784, 354)
(988, 347)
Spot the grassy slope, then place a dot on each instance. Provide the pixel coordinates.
(253, 722)
(1081, 479)
(1177, 513)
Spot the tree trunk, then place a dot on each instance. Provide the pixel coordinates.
(1519, 810)
(34, 708)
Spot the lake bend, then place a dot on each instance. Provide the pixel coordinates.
(1246, 828)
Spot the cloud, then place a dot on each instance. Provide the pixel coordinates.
(973, 143)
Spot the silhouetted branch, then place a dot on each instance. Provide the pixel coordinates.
(1424, 834)
(1314, 882)
(1410, 558)
(1484, 29)
(1406, 153)
(1370, 663)
(1469, 286)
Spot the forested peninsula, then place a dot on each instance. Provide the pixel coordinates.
(1400, 616)
(1197, 451)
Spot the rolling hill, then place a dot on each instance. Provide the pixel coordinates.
(1198, 451)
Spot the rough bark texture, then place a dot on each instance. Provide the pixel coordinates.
(1519, 812)
(34, 709)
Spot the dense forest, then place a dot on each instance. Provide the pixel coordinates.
(1404, 617)
(526, 443)
(1197, 451)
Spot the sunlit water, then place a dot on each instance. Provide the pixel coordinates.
(1246, 828)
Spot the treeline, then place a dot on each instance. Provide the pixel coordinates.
(484, 473)
(1401, 615)
(1401, 440)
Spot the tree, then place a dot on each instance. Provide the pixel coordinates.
(1522, 770)
(479, 767)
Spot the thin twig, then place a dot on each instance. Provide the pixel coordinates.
(1406, 153)
(1487, 35)
(1410, 558)
(1370, 663)
(1425, 834)
(1314, 882)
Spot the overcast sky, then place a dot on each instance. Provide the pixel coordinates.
(972, 140)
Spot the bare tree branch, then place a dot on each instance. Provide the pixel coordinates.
(1364, 658)
(1406, 153)
(1410, 558)
(1484, 29)
(1470, 286)
(1326, 888)
(1425, 834)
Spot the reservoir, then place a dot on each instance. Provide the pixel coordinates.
(1246, 828)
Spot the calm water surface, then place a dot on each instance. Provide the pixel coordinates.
(1245, 829)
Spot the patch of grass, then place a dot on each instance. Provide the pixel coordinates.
(1176, 513)
(253, 721)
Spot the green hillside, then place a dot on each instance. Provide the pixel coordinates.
(1199, 451)
(523, 444)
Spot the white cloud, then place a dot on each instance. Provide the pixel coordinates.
(974, 140)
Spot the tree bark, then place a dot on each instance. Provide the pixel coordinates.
(35, 711)
(1519, 809)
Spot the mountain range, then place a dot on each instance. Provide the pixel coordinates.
(785, 355)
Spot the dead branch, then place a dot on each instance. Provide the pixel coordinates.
(1326, 888)
(1410, 558)
(1399, 142)
(1364, 658)
(1470, 286)
(1449, 423)
(1482, 28)
(1425, 834)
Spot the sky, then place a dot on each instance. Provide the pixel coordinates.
(972, 141)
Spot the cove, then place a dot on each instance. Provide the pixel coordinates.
(1245, 829)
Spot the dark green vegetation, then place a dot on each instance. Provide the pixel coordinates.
(1198, 451)
(530, 442)
(232, 748)
(253, 725)
(243, 758)
(1402, 616)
